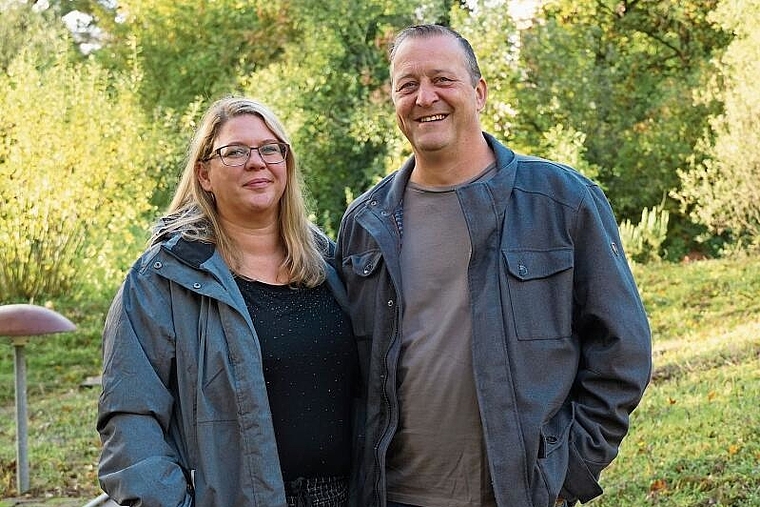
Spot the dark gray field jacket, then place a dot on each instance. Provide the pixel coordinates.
(561, 342)
(184, 414)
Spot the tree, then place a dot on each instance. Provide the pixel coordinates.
(493, 35)
(192, 53)
(722, 190)
(21, 27)
(321, 66)
(622, 73)
(192, 49)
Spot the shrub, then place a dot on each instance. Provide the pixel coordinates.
(75, 176)
(643, 241)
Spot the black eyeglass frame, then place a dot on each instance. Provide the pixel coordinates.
(283, 149)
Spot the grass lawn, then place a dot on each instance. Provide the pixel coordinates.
(694, 440)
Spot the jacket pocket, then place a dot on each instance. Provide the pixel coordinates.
(366, 288)
(365, 264)
(541, 292)
(553, 457)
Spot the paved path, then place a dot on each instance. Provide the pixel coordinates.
(57, 502)
(43, 502)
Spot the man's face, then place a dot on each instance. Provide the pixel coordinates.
(436, 103)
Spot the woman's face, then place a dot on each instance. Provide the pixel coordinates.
(249, 192)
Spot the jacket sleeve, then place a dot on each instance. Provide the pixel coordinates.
(138, 465)
(615, 342)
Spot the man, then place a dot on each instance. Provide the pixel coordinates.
(506, 338)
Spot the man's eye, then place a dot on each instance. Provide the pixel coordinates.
(405, 86)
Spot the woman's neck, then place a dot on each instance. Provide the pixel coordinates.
(260, 252)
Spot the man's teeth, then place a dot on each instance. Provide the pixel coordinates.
(433, 118)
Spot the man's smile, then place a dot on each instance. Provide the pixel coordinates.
(435, 117)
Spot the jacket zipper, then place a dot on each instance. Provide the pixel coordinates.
(385, 438)
(390, 371)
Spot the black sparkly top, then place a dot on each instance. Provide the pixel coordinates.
(310, 367)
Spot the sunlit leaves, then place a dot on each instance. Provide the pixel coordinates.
(494, 36)
(722, 191)
(196, 48)
(76, 178)
(622, 74)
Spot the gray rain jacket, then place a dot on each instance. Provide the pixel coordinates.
(561, 342)
(184, 414)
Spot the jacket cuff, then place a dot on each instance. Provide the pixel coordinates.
(580, 483)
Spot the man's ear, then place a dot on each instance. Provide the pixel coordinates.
(481, 93)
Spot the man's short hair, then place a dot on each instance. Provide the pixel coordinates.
(430, 30)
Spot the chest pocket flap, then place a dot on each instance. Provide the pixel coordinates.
(364, 264)
(531, 264)
(540, 285)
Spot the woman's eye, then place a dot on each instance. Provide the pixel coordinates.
(237, 151)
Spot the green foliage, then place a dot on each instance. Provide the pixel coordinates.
(21, 28)
(721, 191)
(194, 48)
(335, 101)
(623, 75)
(607, 87)
(492, 33)
(566, 145)
(74, 174)
(643, 242)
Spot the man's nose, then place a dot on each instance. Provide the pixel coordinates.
(426, 94)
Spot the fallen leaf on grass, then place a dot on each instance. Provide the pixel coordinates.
(658, 485)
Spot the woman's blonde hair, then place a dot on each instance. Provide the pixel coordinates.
(193, 213)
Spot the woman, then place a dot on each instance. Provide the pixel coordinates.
(229, 365)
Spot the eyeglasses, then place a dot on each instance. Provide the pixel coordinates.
(234, 155)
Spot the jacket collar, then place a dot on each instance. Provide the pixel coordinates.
(193, 253)
(502, 182)
(200, 257)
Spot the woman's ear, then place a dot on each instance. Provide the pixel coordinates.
(201, 172)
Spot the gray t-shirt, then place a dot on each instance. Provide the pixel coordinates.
(437, 457)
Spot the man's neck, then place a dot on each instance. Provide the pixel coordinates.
(447, 168)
